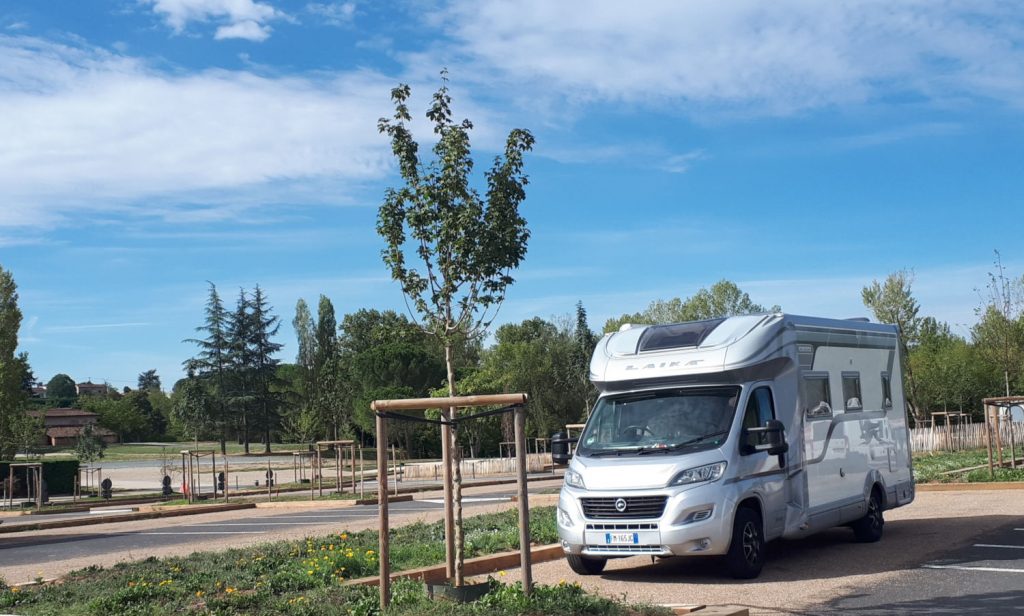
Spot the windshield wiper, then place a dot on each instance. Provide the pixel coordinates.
(678, 446)
(613, 452)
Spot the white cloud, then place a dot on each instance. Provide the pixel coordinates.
(248, 30)
(244, 19)
(745, 55)
(88, 131)
(681, 163)
(333, 13)
(91, 326)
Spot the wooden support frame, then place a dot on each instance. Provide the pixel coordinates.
(518, 401)
(191, 468)
(994, 408)
(93, 478)
(33, 470)
(350, 447)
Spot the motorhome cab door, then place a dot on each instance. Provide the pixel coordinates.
(759, 466)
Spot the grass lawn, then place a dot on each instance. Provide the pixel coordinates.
(929, 467)
(305, 577)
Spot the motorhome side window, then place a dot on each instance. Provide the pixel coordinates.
(760, 410)
(886, 391)
(816, 396)
(851, 391)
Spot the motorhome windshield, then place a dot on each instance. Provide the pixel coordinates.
(665, 420)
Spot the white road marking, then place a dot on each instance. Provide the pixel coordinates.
(440, 501)
(204, 532)
(250, 524)
(993, 545)
(961, 568)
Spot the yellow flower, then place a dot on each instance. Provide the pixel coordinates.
(15, 589)
(501, 573)
(344, 537)
(200, 593)
(229, 590)
(369, 552)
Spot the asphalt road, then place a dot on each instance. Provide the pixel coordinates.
(31, 549)
(983, 577)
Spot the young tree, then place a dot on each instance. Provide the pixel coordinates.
(213, 362)
(893, 302)
(88, 446)
(999, 332)
(467, 244)
(192, 407)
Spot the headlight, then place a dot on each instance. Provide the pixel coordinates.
(700, 474)
(574, 479)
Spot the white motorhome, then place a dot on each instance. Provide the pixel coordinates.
(713, 437)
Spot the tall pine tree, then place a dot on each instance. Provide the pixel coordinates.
(213, 362)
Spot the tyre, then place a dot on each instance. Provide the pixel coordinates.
(869, 528)
(586, 566)
(745, 557)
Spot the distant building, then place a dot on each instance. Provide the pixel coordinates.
(38, 390)
(89, 388)
(64, 426)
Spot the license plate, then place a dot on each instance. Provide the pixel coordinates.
(621, 539)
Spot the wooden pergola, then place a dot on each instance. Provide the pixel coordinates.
(452, 488)
(951, 419)
(994, 410)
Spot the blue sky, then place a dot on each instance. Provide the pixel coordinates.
(799, 148)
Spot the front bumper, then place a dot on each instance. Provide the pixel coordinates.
(695, 521)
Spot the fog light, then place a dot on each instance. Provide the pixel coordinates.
(565, 545)
(699, 516)
(704, 543)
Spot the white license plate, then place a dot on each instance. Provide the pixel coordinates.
(621, 539)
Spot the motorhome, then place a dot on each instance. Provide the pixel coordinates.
(710, 438)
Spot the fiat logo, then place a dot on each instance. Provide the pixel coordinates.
(620, 505)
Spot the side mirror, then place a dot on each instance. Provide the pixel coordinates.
(771, 438)
(561, 448)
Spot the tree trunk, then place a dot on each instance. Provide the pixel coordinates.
(245, 432)
(456, 458)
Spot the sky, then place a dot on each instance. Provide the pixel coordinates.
(799, 148)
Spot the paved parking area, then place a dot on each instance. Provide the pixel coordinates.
(830, 574)
(985, 576)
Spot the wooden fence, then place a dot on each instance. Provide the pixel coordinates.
(959, 437)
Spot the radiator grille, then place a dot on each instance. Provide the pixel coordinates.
(637, 508)
(634, 526)
(624, 549)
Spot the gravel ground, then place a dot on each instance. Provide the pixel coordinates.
(800, 575)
